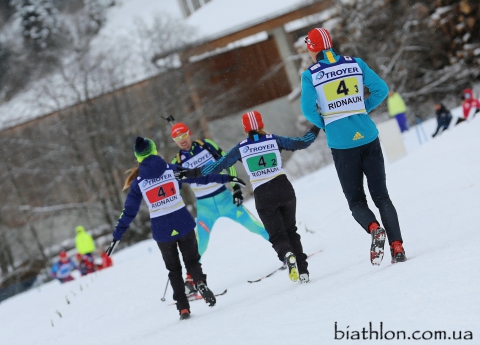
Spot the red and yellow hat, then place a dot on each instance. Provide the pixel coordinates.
(179, 128)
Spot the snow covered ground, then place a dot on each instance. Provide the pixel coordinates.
(435, 190)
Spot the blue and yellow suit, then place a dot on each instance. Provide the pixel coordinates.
(214, 200)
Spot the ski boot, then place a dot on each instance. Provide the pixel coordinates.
(378, 242)
(397, 251)
(304, 278)
(292, 266)
(190, 288)
(184, 314)
(206, 293)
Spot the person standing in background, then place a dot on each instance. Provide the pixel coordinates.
(470, 105)
(444, 117)
(85, 247)
(397, 109)
(84, 242)
(62, 269)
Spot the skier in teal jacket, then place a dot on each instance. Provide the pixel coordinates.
(335, 84)
(213, 200)
(275, 198)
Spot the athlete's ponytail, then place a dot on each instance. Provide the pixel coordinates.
(133, 175)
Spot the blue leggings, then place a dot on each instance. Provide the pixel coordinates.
(221, 205)
(402, 122)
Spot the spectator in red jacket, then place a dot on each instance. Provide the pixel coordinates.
(470, 104)
(106, 260)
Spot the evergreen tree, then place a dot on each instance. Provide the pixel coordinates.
(95, 10)
(39, 21)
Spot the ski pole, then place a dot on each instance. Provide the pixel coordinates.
(170, 119)
(166, 287)
(417, 129)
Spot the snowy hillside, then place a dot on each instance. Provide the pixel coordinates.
(436, 192)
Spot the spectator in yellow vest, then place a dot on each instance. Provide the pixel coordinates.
(397, 109)
(84, 242)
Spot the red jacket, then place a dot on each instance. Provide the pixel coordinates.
(469, 102)
(106, 261)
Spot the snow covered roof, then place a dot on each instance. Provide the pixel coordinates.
(246, 23)
(213, 19)
(219, 17)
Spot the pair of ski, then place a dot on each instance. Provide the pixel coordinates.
(281, 268)
(196, 296)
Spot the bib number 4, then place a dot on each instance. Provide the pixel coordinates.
(342, 88)
(256, 163)
(161, 192)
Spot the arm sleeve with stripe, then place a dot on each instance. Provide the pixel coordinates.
(231, 170)
(293, 144)
(223, 163)
(217, 178)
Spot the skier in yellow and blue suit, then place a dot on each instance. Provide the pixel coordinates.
(214, 200)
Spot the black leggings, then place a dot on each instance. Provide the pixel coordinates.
(351, 165)
(276, 204)
(442, 124)
(189, 248)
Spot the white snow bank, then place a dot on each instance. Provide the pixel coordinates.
(435, 191)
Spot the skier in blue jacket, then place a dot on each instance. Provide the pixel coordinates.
(62, 269)
(172, 225)
(335, 84)
(275, 198)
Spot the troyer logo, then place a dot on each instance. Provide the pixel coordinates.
(254, 149)
(339, 72)
(197, 160)
(167, 175)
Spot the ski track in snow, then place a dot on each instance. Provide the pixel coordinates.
(435, 191)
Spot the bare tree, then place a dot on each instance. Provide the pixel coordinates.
(402, 41)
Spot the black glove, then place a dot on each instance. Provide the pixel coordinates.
(235, 179)
(112, 247)
(182, 173)
(315, 130)
(237, 195)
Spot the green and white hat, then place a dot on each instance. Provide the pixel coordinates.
(143, 148)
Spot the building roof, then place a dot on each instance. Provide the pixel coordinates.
(244, 24)
(220, 17)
